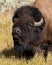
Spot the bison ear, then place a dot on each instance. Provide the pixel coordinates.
(15, 20)
(15, 16)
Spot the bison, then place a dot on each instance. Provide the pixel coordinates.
(27, 31)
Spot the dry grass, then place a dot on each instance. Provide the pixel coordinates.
(37, 60)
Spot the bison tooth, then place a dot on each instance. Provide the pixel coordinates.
(38, 23)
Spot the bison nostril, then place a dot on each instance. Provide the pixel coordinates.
(16, 30)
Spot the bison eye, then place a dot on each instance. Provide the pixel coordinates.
(30, 26)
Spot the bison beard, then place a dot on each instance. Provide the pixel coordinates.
(28, 26)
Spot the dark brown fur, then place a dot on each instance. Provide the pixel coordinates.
(28, 39)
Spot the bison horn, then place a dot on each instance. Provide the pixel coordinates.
(38, 23)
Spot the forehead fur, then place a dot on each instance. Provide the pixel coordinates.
(26, 11)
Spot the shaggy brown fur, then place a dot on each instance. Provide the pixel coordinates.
(46, 9)
(26, 35)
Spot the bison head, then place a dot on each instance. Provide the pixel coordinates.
(28, 26)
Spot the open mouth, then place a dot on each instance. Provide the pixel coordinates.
(15, 37)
